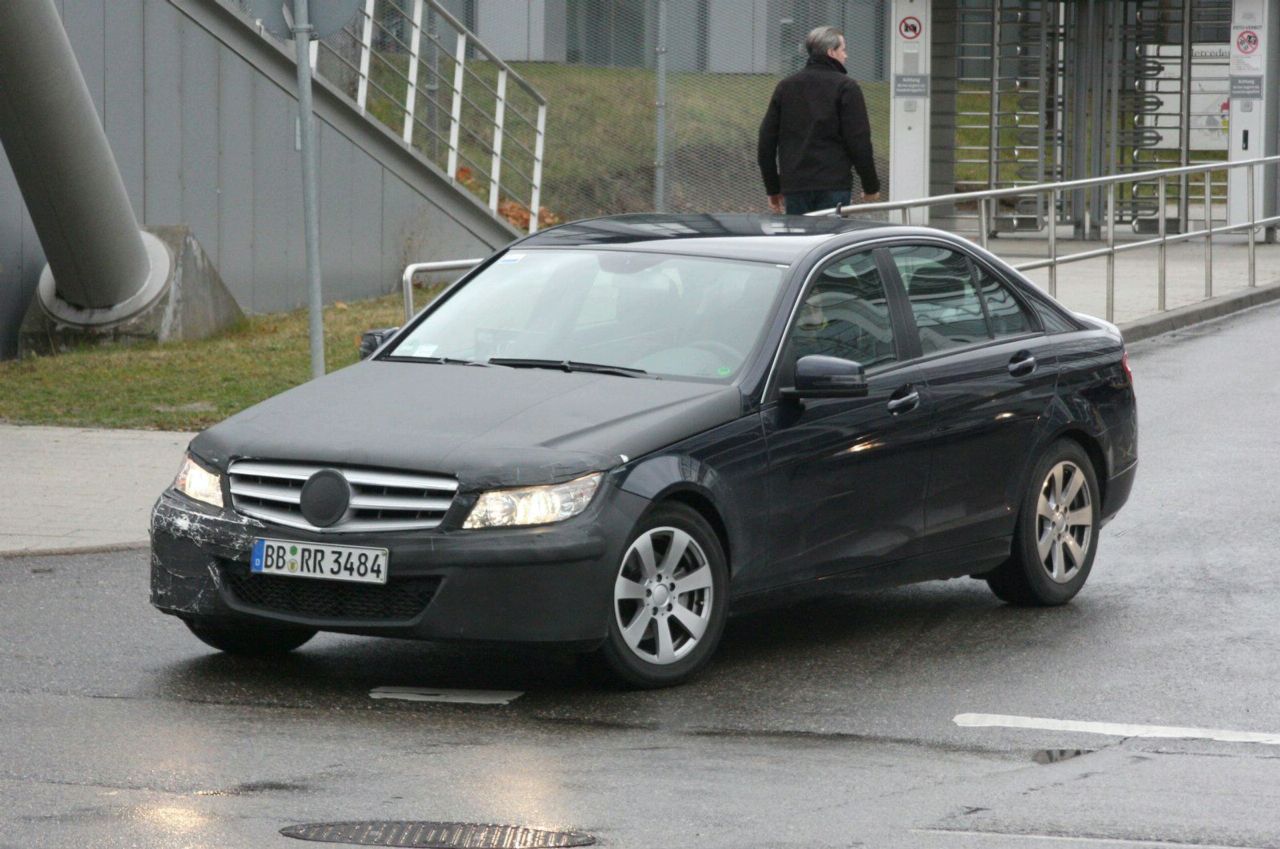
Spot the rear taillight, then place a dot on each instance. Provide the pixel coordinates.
(1124, 363)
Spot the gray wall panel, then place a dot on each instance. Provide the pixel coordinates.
(163, 122)
(199, 93)
(366, 204)
(235, 176)
(123, 111)
(279, 271)
(84, 21)
(336, 236)
(734, 28)
(415, 229)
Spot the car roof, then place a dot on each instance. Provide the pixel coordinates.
(746, 236)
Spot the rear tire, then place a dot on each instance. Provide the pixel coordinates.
(1056, 536)
(248, 640)
(669, 600)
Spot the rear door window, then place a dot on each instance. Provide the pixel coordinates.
(946, 305)
(1006, 315)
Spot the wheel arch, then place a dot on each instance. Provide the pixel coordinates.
(702, 504)
(685, 480)
(1093, 449)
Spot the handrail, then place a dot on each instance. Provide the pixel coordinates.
(391, 50)
(413, 268)
(1160, 175)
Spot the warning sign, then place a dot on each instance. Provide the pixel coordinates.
(910, 28)
(1246, 51)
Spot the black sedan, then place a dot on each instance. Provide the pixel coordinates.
(610, 433)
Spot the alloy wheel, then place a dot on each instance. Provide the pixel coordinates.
(1064, 522)
(662, 597)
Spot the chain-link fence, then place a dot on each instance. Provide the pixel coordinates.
(658, 102)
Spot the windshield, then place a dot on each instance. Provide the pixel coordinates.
(663, 315)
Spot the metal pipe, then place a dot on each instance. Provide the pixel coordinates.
(63, 164)
(660, 142)
(1253, 258)
(1208, 236)
(366, 50)
(406, 278)
(993, 104)
(1184, 121)
(455, 116)
(1111, 252)
(411, 87)
(982, 222)
(310, 201)
(1162, 285)
(1053, 242)
(1117, 11)
(499, 119)
(539, 143)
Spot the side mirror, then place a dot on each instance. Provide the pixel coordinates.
(371, 340)
(819, 376)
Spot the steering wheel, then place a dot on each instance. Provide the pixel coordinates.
(732, 353)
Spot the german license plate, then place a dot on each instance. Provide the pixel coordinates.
(328, 562)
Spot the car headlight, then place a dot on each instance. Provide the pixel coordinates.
(533, 505)
(195, 481)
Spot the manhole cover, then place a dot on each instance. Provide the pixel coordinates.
(437, 835)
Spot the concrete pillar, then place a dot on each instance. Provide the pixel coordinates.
(63, 164)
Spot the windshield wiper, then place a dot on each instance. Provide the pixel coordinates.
(448, 361)
(568, 365)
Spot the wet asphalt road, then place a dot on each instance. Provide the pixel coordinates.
(828, 724)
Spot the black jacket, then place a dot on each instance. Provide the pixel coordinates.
(815, 130)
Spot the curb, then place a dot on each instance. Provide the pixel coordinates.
(1177, 319)
(86, 549)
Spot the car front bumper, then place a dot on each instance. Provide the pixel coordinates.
(544, 584)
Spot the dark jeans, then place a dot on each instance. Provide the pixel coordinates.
(798, 203)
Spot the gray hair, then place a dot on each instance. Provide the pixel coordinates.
(822, 39)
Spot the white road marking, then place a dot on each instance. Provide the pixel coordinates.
(995, 720)
(1063, 838)
(436, 694)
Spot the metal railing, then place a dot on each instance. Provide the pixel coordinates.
(987, 201)
(415, 268)
(415, 68)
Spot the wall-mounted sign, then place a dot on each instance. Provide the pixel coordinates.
(910, 28)
(910, 85)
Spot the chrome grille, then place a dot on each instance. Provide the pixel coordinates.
(380, 500)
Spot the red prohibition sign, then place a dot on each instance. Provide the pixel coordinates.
(1247, 41)
(910, 28)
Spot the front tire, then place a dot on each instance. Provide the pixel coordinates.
(246, 639)
(670, 598)
(1056, 536)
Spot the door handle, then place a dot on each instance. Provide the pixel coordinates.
(905, 404)
(1022, 364)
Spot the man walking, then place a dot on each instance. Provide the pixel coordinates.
(814, 131)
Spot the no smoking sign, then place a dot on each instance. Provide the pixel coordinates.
(910, 28)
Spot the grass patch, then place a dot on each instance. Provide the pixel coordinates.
(184, 385)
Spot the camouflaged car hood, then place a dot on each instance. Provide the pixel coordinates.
(488, 427)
